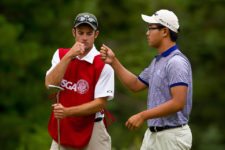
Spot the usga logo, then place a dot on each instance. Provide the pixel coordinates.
(81, 86)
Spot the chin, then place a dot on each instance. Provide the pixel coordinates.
(150, 44)
(87, 48)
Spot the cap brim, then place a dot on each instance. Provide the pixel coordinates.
(94, 27)
(149, 19)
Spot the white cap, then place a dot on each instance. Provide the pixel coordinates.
(164, 17)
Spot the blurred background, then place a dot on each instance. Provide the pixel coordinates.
(31, 31)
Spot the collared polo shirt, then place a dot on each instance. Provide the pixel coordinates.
(167, 70)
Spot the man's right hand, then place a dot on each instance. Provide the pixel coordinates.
(107, 54)
(77, 49)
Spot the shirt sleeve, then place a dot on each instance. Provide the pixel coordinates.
(144, 76)
(105, 84)
(55, 61)
(178, 71)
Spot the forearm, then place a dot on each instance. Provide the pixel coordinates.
(87, 108)
(162, 110)
(125, 76)
(55, 76)
(177, 103)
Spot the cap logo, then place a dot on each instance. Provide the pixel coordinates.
(164, 17)
(165, 23)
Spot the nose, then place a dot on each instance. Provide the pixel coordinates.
(147, 33)
(84, 37)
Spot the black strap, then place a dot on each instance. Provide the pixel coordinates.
(98, 119)
(158, 129)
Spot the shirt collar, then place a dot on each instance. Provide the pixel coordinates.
(170, 50)
(167, 52)
(90, 55)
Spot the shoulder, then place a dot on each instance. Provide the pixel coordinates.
(178, 58)
(178, 63)
(63, 50)
(107, 68)
(98, 62)
(98, 58)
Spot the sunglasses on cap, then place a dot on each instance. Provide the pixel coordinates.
(86, 19)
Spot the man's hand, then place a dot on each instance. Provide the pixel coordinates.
(77, 49)
(135, 121)
(59, 111)
(107, 54)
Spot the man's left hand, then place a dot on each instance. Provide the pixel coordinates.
(135, 121)
(59, 111)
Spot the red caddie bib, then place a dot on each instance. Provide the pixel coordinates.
(79, 83)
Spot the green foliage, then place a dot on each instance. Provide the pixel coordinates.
(31, 30)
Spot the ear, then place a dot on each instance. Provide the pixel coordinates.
(74, 32)
(96, 34)
(165, 32)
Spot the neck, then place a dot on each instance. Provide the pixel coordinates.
(165, 46)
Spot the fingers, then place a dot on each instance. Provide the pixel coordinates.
(79, 44)
(82, 47)
(57, 106)
(130, 126)
(58, 110)
(134, 122)
(106, 47)
(78, 48)
(103, 51)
